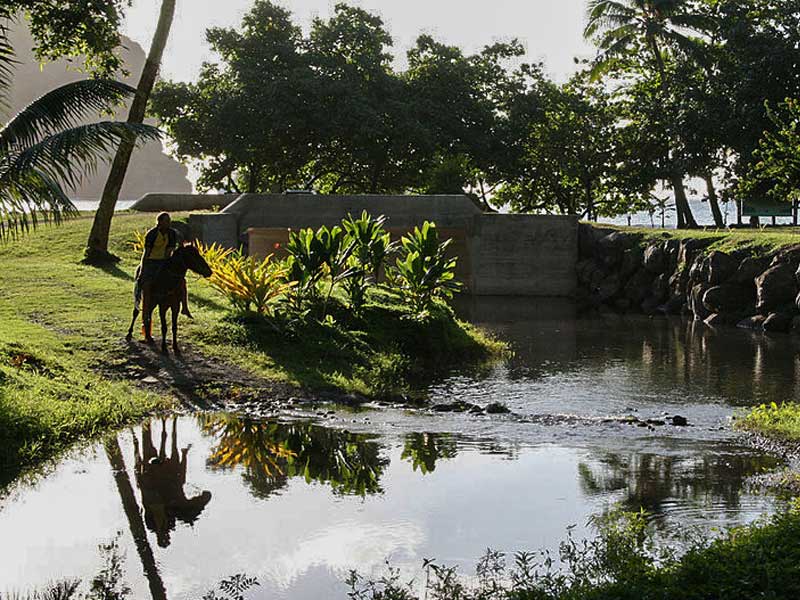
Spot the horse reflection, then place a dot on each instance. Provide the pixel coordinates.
(161, 479)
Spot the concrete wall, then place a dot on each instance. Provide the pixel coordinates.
(524, 255)
(517, 255)
(182, 202)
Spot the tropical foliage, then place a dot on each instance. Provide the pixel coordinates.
(48, 147)
(350, 257)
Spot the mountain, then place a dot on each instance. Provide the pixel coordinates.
(151, 170)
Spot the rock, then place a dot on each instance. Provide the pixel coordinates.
(585, 270)
(787, 256)
(696, 306)
(656, 422)
(777, 323)
(698, 272)
(749, 269)
(678, 282)
(610, 287)
(776, 287)
(586, 241)
(730, 299)
(496, 408)
(632, 260)
(638, 286)
(754, 322)
(612, 247)
(659, 289)
(655, 259)
(715, 320)
(150, 380)
(721, 267)
(458, 406)
(673, 306)
(796, 326)
(689, 249)
(651, 306)
(679, 421)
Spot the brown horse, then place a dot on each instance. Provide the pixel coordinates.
(166, 291)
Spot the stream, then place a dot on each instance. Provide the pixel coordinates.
(179, 504)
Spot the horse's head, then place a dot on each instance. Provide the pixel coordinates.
(194, 261)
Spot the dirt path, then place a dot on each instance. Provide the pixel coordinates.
(200, 382)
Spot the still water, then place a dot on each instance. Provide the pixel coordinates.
(299, 502)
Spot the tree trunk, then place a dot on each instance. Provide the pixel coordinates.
(97, 245)
(135, 522)
(712, 200)
(685, 216)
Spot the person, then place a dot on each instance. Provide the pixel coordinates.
(159, 244)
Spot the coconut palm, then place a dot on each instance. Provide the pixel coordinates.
(623, 27)
(49, 146)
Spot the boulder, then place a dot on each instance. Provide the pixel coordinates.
(696, 306)
(796, 326)
(679, 421)
(749, 269)
(673, 306)
(610, 287)
(496, 408)
(721, 267)
(678, 282)
(754, 322)
(698, 271)
(632, 260)
(655, 258)
(787, 256)
(659, 289)
(612, 247)
(638, 286)
(778, 323)
(585, 270)
(715, 320)
(730, 299)
(690, 248)
(775, 288)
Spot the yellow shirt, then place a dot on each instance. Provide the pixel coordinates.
(159, 249)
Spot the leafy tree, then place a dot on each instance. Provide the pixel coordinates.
(627, 31)
(87, 30)
(571, 155)
(43, 148)
(247, 122)
(97, 244)
(778, 169)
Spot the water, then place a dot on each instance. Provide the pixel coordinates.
(299, 502)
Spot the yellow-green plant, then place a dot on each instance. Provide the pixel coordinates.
(249, 282)
(137, 243)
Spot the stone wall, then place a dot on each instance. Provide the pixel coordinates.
(518, 255)
(620, 271)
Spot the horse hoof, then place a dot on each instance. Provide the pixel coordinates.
(129, 337)
(149, 341)
(176, 350)
(164, 350)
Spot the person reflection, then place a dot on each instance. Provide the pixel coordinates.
(160, 479)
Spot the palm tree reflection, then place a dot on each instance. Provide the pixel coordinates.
(424, 449)
(271, 453)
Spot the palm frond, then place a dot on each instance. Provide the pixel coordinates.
(67, 156)
(606, 14)
(27, 199)
(6, 56)
(62, 108)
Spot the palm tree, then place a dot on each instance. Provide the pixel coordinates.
(97, 244)
(46, 146)
(624, 26)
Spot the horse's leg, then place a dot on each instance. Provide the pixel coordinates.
(175, 307)
(147, 317)
(162, 312)
(129, 337)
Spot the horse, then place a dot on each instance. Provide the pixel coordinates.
(166, 291)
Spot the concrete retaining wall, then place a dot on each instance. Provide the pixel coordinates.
(182, 202)
(519, 255)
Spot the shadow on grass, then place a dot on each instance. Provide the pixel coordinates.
(114, 271)
(383, 352)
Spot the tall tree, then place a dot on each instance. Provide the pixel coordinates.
(628, 28)
(97, 244)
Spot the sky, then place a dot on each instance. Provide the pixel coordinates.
(551, 30)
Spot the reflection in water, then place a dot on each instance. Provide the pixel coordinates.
(672, 358)
(161, 479)
(424, 449)
(654, 482)
(271, 453)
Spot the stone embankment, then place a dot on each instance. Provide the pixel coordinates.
(628, 273)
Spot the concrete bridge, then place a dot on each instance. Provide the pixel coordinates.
(499, 254)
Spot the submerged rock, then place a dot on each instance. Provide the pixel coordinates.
(679, 421)
(778, 323)
(497, 408)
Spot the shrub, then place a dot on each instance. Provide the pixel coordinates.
(248, 282)
(424, 273)
(371, 246)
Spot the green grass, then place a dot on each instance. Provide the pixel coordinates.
(779, 422)
(753, 241)
(61, 320)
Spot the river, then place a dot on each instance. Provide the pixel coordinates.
(300, 501)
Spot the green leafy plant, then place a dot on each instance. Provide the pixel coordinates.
(424, 273)
(248, 282)
(371, 246)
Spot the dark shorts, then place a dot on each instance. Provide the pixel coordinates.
(149, 270)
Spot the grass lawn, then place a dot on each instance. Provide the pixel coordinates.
(63, 323)
(755, 241)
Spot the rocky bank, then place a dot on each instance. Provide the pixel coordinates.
(627, 272)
